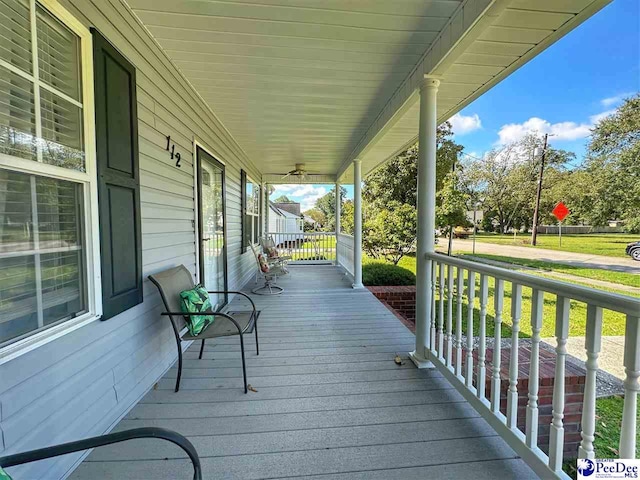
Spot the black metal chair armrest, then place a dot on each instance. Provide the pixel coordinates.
(93, 442)
(237, 293)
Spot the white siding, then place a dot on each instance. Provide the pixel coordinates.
(82, 383)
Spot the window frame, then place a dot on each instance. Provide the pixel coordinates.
(87, 179)
(254, 216)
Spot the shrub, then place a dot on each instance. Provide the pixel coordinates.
(385, 274)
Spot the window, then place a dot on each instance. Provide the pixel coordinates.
(47, 176)
(251, 211)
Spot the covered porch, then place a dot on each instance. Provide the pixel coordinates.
(260, 87)
(330, 401)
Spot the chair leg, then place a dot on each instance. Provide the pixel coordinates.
(255, 326)
(244, 368)
(179, 366)
(201, 349)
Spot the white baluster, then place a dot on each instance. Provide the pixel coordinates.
(449, 315)
(632, 370)
(471, 298)
(498, 303)
(556, 439)
(458, 345)
(441, 311)
(433, 340)
(592, 344)
(537, 305)
(512, 395)
(482, 345)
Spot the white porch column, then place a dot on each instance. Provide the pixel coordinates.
(426, 206)
(357, 224)
(338, 212)
(338, 208)
(264, 200)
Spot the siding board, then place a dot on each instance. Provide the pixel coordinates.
(82, 383)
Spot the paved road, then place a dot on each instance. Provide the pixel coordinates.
(618, 264)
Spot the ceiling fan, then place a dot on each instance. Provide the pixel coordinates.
(299, 171)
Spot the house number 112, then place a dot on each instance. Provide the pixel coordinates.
(171, 147)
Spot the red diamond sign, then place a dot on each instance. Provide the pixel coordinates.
(560, 211)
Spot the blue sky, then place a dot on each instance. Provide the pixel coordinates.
(561, 91)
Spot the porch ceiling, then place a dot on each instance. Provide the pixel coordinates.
(322, 82)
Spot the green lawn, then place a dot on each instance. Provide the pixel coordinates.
(611, 245)
(613, 322)
(608, 422)
(622, 278)
(313, 248)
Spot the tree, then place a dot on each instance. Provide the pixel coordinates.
(451, 209)
(391, 232)
(390, 193)
(282, 199)
(613, 168)
(317, 215)
(346, 217)
(506, 178)
(327, 205)
(397, 179)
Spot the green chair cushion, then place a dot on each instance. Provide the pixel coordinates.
(4, 475)
(196, 300)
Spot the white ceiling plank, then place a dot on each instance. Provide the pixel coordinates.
(410, 8)
(320, 81)
(281, 28)
(422, 21)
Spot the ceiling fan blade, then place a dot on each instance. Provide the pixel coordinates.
(288, 174)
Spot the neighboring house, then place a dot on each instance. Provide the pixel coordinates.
(309, 220)
(285, 226)
(291, 207)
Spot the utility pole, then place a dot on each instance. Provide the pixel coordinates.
(536, 211)
(450, 246)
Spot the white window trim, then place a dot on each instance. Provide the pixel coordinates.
(87, 179)
(253, 182)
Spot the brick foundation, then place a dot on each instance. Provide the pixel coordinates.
(402, 301)
(574, 392)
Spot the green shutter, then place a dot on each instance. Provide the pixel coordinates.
(118, 178)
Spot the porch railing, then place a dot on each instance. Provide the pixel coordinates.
(344, 252)
(458, 284)
(306, 247)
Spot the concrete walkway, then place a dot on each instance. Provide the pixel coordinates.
(562, 276)
(618, 264)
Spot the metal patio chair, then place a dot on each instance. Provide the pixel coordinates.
(94, 442)
(270, 277)
(174, 280)
(267, 242)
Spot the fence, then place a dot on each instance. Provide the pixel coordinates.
(459, 284)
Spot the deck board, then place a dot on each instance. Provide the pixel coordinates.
(330, 401)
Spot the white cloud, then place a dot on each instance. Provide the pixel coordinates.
(610, 101)
(305, 194)
(513, 132)
(462, 124)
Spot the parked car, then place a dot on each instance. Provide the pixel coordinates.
(633, 250)
(461, 232)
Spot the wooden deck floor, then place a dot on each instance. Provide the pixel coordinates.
(330, 402)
